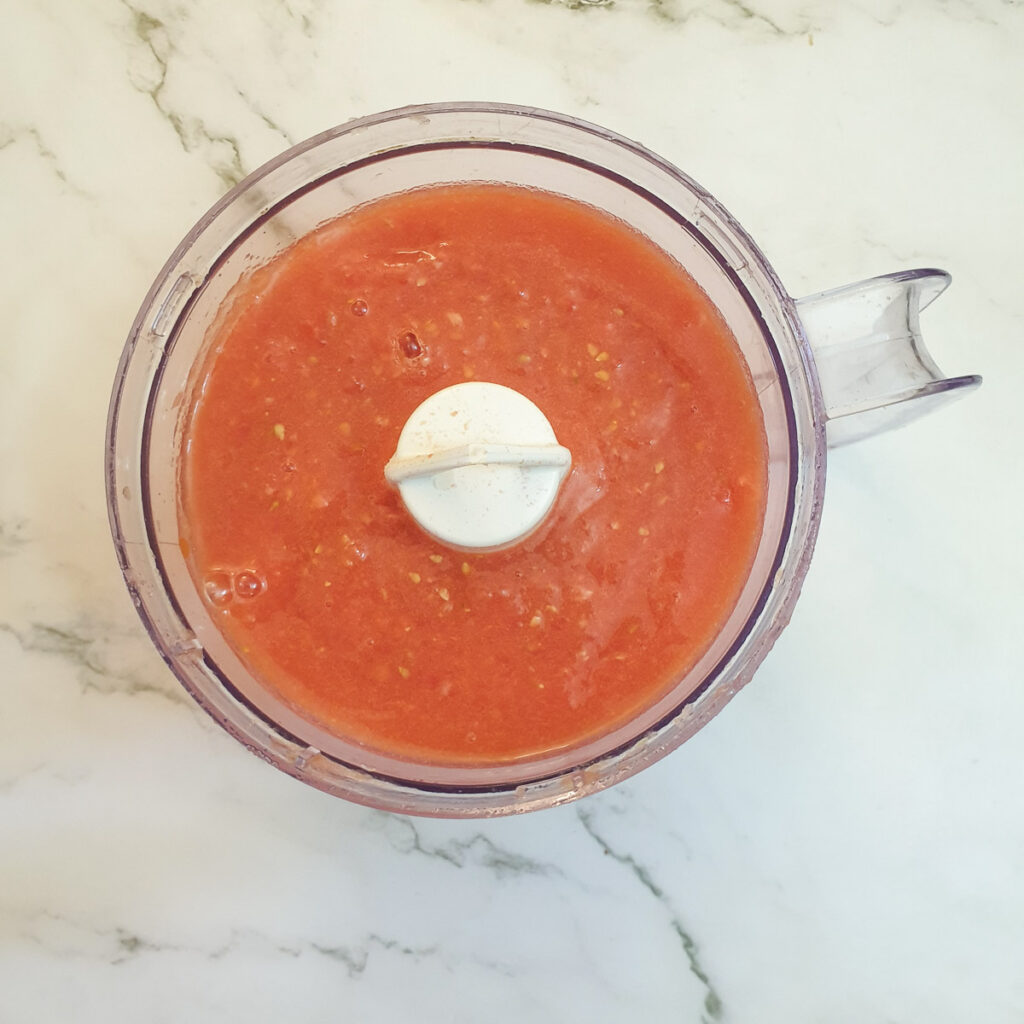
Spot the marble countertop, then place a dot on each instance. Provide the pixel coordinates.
(844, 843)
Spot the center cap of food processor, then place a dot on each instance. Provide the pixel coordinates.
(478, 465)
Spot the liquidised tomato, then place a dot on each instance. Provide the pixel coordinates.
(341, 604)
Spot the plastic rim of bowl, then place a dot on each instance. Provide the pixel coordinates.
(320, 179)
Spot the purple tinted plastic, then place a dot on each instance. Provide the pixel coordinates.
(319, 180)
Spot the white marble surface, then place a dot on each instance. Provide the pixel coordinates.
(845, 843)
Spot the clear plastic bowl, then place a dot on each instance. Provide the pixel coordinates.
(347, 167)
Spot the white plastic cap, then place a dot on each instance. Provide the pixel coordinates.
(478, 465)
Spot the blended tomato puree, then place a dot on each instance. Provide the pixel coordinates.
(318, 576)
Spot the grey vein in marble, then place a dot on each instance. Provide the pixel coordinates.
(728, 14)
(192, 133)
(262, 115)
(355, 961)
(404, 836)
(577, 5)
(78, 647)
(13, 533)
(712, 1001)
(120, 945)
(303, 18)
(10, 135)
(749, 13)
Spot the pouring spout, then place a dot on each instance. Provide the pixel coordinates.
(874, 369)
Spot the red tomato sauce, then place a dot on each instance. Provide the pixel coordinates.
(317, 575)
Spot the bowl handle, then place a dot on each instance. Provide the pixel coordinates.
(874, 369)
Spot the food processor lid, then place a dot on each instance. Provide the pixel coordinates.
(478, 465)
